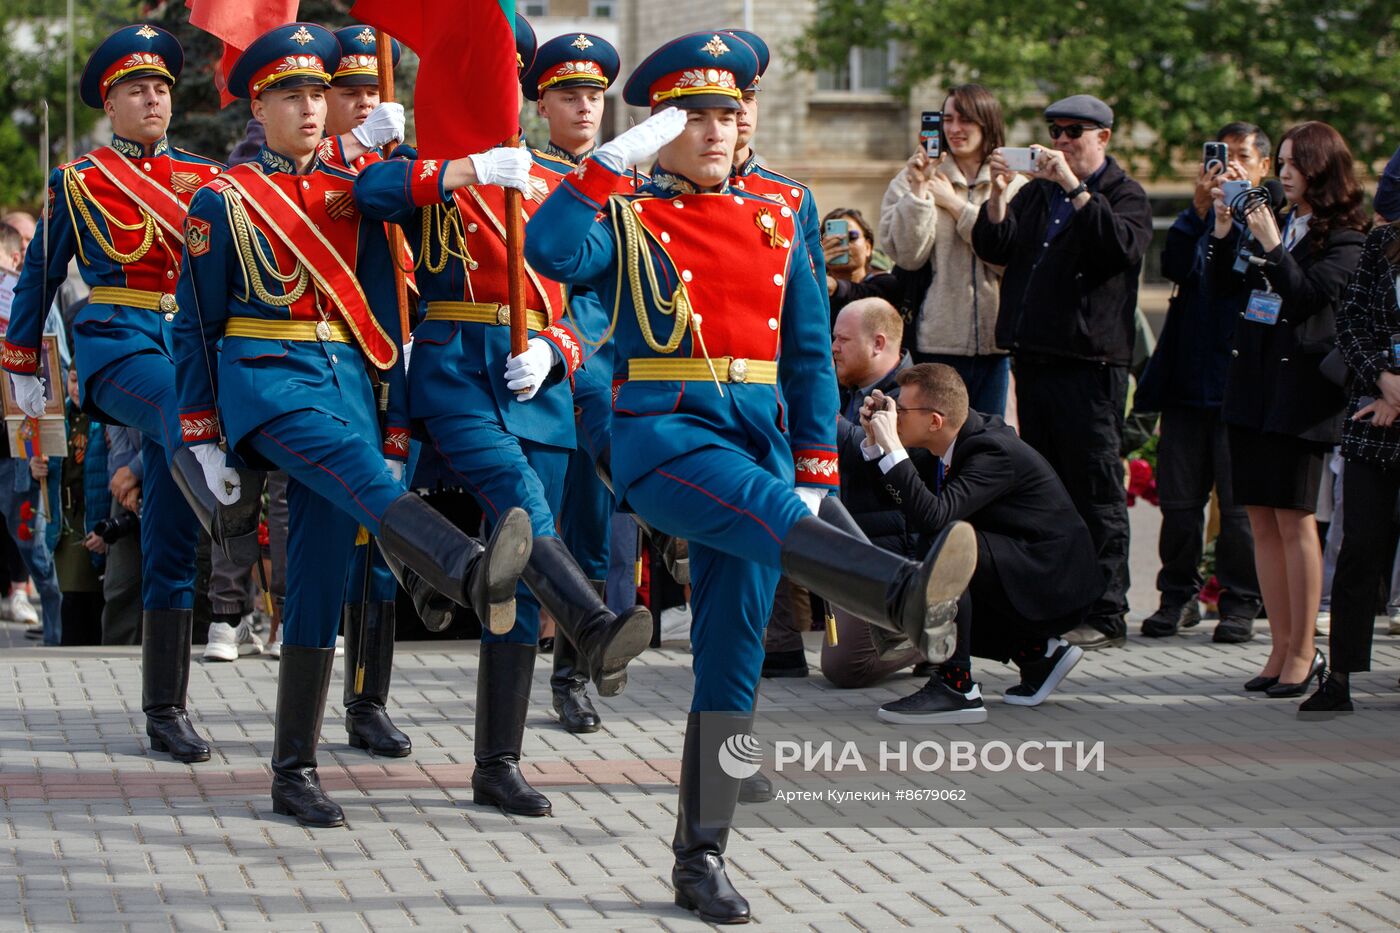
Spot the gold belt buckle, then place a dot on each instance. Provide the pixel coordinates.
(323, 331)
(739, 370)
(168, 306)
(503, 315)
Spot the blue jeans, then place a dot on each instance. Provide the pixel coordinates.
(17, 487)
(988, 378)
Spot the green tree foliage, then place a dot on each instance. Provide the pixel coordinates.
(1177, 68)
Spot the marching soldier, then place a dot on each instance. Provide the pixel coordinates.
(292, 320)
(706, 282)
(503, 425)
(120, 210)
(568, 80)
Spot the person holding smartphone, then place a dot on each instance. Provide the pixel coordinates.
(1368, 336)
(926, 221)
(848, 243)
(1283, 414)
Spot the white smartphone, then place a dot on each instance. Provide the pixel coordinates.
(1019, 159)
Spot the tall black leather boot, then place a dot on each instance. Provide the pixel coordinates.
(432, 558)
(233, 527)
(165, 677)
(919, 601)
(569, 685)
(502, 702)
(605, 642)
(303, 680)
(703, 816)
(366, 722)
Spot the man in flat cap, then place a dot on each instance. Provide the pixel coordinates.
(1072, 242)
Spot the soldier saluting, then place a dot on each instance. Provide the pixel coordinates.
(120, 210)
(293, 318)
(707, 283)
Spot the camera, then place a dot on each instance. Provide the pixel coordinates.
(113, 530)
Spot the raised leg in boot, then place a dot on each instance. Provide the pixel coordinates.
(366, 722)
(502, 702)
(165, 677)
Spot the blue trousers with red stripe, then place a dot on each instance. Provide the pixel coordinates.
(139, 391)
(735, 512)
(383, 588)
(337, 481)
(503, 471)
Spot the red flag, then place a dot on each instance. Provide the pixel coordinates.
(467, 95)
(237, 23)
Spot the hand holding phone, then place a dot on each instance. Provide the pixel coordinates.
(1215, 156)
(1019, 159)
(840, 228)
(931, 133)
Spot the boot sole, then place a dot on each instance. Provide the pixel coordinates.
(685, 903)
(957, 717)
(632, 638)
(947, 574)
(159, 745)
(281, 809)
(507, 553)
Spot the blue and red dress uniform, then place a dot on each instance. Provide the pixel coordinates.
(505, 452)
(130, 257)
(713, 463)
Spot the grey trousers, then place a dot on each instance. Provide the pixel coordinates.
(121, 589)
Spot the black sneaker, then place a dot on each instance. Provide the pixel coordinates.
(1233, 630)
(936, 702)
(785, 663)
(1169, 620)
(1041, 675)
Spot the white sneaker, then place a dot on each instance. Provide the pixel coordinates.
(1393, 616)
(21, 609)
(273, 649)
(249, 641)
(340, 646)
(1324, 623)
(222, 644)
(675, 624)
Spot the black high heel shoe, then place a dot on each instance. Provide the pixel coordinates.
(1317, 669)
(1255, 684)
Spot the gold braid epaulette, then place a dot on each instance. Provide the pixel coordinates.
(631, 239)
(79, 196)
(252, 258)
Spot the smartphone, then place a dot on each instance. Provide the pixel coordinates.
(1019, 160)
(838, 227)
(1394, 349)
(1215, 156)
(931, 133)
(1362, 403)
(1233, 188)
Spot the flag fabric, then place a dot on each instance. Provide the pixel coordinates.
(237, 23)
(467, 94)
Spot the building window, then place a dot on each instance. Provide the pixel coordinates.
(601, 9)
(865, 69)
(536, 8)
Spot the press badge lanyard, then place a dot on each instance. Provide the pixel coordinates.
(1264, 307)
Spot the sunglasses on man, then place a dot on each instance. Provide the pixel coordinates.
(1073, 131)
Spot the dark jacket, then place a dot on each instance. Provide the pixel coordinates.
(1274, 384)
(874, 509)
(876, 284)
(1026, 525)
(1366, 318)
(1074, 298)
(1188, 368)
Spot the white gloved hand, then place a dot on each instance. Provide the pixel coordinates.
(507, 166)
(395, 468)
(221, 478)
(384, 125)
(811, 497)
(526, 373)
(29, 394)
(642, 141)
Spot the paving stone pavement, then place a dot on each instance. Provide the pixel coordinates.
(95, 831)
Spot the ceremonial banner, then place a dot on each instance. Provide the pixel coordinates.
(237, 23)
(466, 97)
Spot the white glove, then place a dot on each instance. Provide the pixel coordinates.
(29, 394)
(221, 478)
(811, 497)
(526, 373)
(507, 166)
(384, 125)
(642, 141)
(395, 468)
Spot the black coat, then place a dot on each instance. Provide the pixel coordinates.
(1025, 522)
(1076, 297)
(1366, 318)
(1274, 384)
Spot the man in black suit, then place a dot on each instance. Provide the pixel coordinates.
(1037, 568)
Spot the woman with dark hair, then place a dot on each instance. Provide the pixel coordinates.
(926, 223)
(1283, 414)
(1368, 316)
(849, 274)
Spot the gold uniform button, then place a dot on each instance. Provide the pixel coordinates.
(772, 323)
(503, 315)
(167, 304)
(146, 166)
(786, 212)
(323, 330)
(685, 275)
(665, 237)
(169, 274)
(637, 208)
(472, 265)
(306, 184)
(796, 193)
(213, 171)
(169, 316)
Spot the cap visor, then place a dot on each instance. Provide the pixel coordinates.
(700, 102)
(295, 81)
(355, 80)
